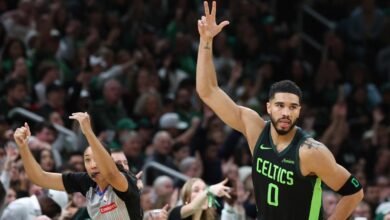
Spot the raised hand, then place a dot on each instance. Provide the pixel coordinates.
(21, 135)
(83, 119)
(140, 185)
(207, 25)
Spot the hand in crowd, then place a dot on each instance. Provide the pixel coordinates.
(158, 214)
(140, 185)
(220, 189)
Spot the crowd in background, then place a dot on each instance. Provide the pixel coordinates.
(131, 65)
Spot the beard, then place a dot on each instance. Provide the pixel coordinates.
(281, 131)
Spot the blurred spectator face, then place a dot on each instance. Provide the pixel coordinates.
(183, 99)
(133, 145)
(362, 210)
(152, 105)
(329, 200)
(297, 69)
(372, 194)
(50, 75)
(212, 152)
(112, 91)
(16, 49)
(163, 186)
(55, 118)
(146, 199)
(181, 153)
(193, 170)
(56, 98)
(191, 190)
(15, 171)
(218, 136)
(76, 161)
(78, 200)
(47, 160)
(46, 135)
(120, 158)
(20, 67)
(163, 143)
(11, 196)
(142, 81)
(17, 94)
(35, 190)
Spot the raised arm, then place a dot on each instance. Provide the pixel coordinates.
(34, 171)
(104, 162)
(333, 175)
(243, 119)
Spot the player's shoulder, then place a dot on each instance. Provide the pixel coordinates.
(312, 144)
(313, 148)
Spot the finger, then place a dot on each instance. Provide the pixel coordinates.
(224, 181)
(166, 207)
(226, 194)
(28, 132)
(139, 174)
(214, 9)
(222, 25)
(206, 8)
(204, 19)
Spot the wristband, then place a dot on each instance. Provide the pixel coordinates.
(211, 200)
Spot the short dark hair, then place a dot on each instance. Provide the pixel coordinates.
(285, 86)
(45, 124)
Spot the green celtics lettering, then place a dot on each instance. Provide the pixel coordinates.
(274, 172)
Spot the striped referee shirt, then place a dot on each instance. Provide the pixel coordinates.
(110, 204)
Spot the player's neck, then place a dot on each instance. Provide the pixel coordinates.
(282, 140)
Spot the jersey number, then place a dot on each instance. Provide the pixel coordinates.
(273, 195)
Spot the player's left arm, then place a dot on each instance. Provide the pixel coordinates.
(318, 160)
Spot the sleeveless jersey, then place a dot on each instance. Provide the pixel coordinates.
(281, 192)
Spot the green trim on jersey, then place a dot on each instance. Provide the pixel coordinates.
(315, 206)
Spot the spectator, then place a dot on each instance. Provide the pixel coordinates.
(50, 204)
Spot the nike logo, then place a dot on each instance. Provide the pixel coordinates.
(264, 147)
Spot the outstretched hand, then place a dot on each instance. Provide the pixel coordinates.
(207, 25)
(21, 135)
(83, 119)
(220, 189)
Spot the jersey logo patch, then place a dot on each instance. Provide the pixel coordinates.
(108, 208)
(264, 147)
(288, 161)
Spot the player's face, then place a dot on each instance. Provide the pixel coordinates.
(198, 187)
(284, 110)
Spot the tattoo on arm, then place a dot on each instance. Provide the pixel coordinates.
(310, 143)
(207, 47)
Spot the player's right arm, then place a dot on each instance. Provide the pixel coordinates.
(242, 119)
(34, 171)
